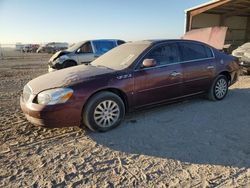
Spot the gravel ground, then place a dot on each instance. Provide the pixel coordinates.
(196, 143)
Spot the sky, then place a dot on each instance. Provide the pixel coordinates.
(40, 21)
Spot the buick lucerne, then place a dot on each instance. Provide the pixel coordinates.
(131, 76)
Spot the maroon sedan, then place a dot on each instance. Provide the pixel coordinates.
(131, 76)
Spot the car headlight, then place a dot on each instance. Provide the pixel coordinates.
(26, 93)
(62, 58)
(54, 96)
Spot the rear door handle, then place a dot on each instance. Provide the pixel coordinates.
(210, 67)
(174, 74)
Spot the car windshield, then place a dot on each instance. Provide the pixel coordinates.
(121, 57)
(102, 47)
(74, 47)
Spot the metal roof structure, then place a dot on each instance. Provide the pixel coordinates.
(224, 8)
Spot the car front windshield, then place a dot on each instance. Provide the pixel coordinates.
(121, 57)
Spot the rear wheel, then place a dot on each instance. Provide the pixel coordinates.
(103, 112)
(219, 88)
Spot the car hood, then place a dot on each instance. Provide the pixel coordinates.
(66, 77)
(213, 36)
(240, 51)
(58, 54)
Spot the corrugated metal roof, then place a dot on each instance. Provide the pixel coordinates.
(225, 7)
(202, 5)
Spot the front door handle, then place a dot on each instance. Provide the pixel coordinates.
(210, 67)
(174, 74)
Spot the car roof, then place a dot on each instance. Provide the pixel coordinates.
(158, 41)
(100, 40)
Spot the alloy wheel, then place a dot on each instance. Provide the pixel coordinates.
(221, 88)
(106, 113)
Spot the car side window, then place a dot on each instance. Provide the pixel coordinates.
(102, 47)
(209, 52)
(193, 51)
(164, 54)
(85, 48)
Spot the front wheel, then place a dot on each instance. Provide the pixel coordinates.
(248, 72)
(69, 63)
(219, 88)
(103, 112)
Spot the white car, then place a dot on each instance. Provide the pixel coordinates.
(239, 52)
(81, 53)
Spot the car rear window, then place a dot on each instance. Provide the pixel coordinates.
(193, 51)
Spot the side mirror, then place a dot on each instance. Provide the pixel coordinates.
(78, 50)
(148, 63)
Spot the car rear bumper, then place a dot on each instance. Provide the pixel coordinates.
(234, 77)
(63, 115)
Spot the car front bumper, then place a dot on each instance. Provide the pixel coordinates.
(61, 115)
(245, 65)
(50, 69)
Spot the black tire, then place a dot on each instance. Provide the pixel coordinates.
(69, 63)
(92, 106)
(213, 92)
(248, 72)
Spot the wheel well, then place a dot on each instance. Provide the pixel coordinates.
(70, 60)
(118, 92)
(225, 73)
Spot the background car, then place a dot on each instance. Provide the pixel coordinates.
(129, 77)
(243, 53)
(245, 61)
(239, 52)
(26, 48)
(29, 48)
(52, 47)
(81, 53)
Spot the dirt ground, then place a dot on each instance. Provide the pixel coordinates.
(196, 143)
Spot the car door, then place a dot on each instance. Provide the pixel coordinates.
(161, 82)
(85, 53)
(198, 67)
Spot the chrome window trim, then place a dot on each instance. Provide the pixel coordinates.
(136, 69)
(181, 62)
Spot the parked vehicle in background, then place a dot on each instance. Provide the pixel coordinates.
(34, 47)
(128, 77)
(28, 48)
(239, 52)
(52, 47)
(19, 46)
(81, 53)
(243, 53)
(245, 61)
